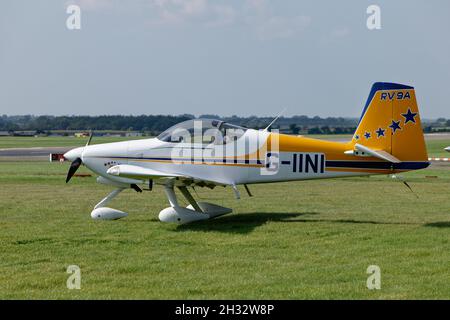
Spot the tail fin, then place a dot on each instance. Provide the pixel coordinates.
(390, 122)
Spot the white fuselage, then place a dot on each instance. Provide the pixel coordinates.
(222, 163)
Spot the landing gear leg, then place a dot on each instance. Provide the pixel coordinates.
(101, 212)
(108, 198)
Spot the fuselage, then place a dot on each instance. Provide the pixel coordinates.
(256, 157)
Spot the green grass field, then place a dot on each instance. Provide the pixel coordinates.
(301, 240)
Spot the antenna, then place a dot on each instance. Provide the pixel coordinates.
(90, 138)
(276, 118)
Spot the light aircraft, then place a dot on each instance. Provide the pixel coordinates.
(212, 153)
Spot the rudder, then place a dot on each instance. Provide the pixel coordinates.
(391, 122)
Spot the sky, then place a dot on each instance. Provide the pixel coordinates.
(249, 57)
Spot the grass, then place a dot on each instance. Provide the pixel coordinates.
(300, 240)
(435, 147)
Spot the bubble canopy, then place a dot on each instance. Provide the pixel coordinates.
(204, 131)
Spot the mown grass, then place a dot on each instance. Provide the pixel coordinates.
(435, 147)
(300, 240)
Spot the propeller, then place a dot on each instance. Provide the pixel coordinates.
(77, 162)
(73, 168)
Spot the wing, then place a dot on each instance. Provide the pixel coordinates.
(137, 172)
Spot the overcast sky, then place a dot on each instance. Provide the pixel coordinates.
(249, 57)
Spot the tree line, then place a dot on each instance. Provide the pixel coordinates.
(154, 124)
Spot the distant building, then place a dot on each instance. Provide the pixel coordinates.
(114, 135)
(81, 134)
(4, 133)
(25, 133)
(133, 134)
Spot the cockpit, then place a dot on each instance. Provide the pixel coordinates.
(204, 131)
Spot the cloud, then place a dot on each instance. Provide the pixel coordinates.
(334, 36)
(224, 15)
(340, 32)
(259, 6)
(256, 15)
(203, 12)
(92, 5)
(274, 27)
(260, 17)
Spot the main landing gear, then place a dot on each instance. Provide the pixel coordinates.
(196, 211)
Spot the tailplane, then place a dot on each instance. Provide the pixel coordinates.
(390, 124)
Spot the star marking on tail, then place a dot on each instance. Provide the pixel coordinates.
(409, 116)
(395, 125)
(367, 135)
(380, 132)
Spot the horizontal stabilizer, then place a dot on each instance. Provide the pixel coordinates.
(380, 154)
(366, 151)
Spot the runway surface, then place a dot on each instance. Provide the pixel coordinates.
(34, 153)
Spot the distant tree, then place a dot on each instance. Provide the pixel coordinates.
(314, 130)
(325, 130)
(293, 128)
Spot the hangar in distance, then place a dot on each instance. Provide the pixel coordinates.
(212, 153)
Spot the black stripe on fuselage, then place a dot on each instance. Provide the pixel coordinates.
(376, 165)
(328, 164)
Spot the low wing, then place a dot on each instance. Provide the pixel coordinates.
(137, 172)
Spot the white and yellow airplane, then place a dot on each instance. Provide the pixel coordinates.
(210, 153)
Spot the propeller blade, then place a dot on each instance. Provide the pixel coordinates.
(73, 168)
